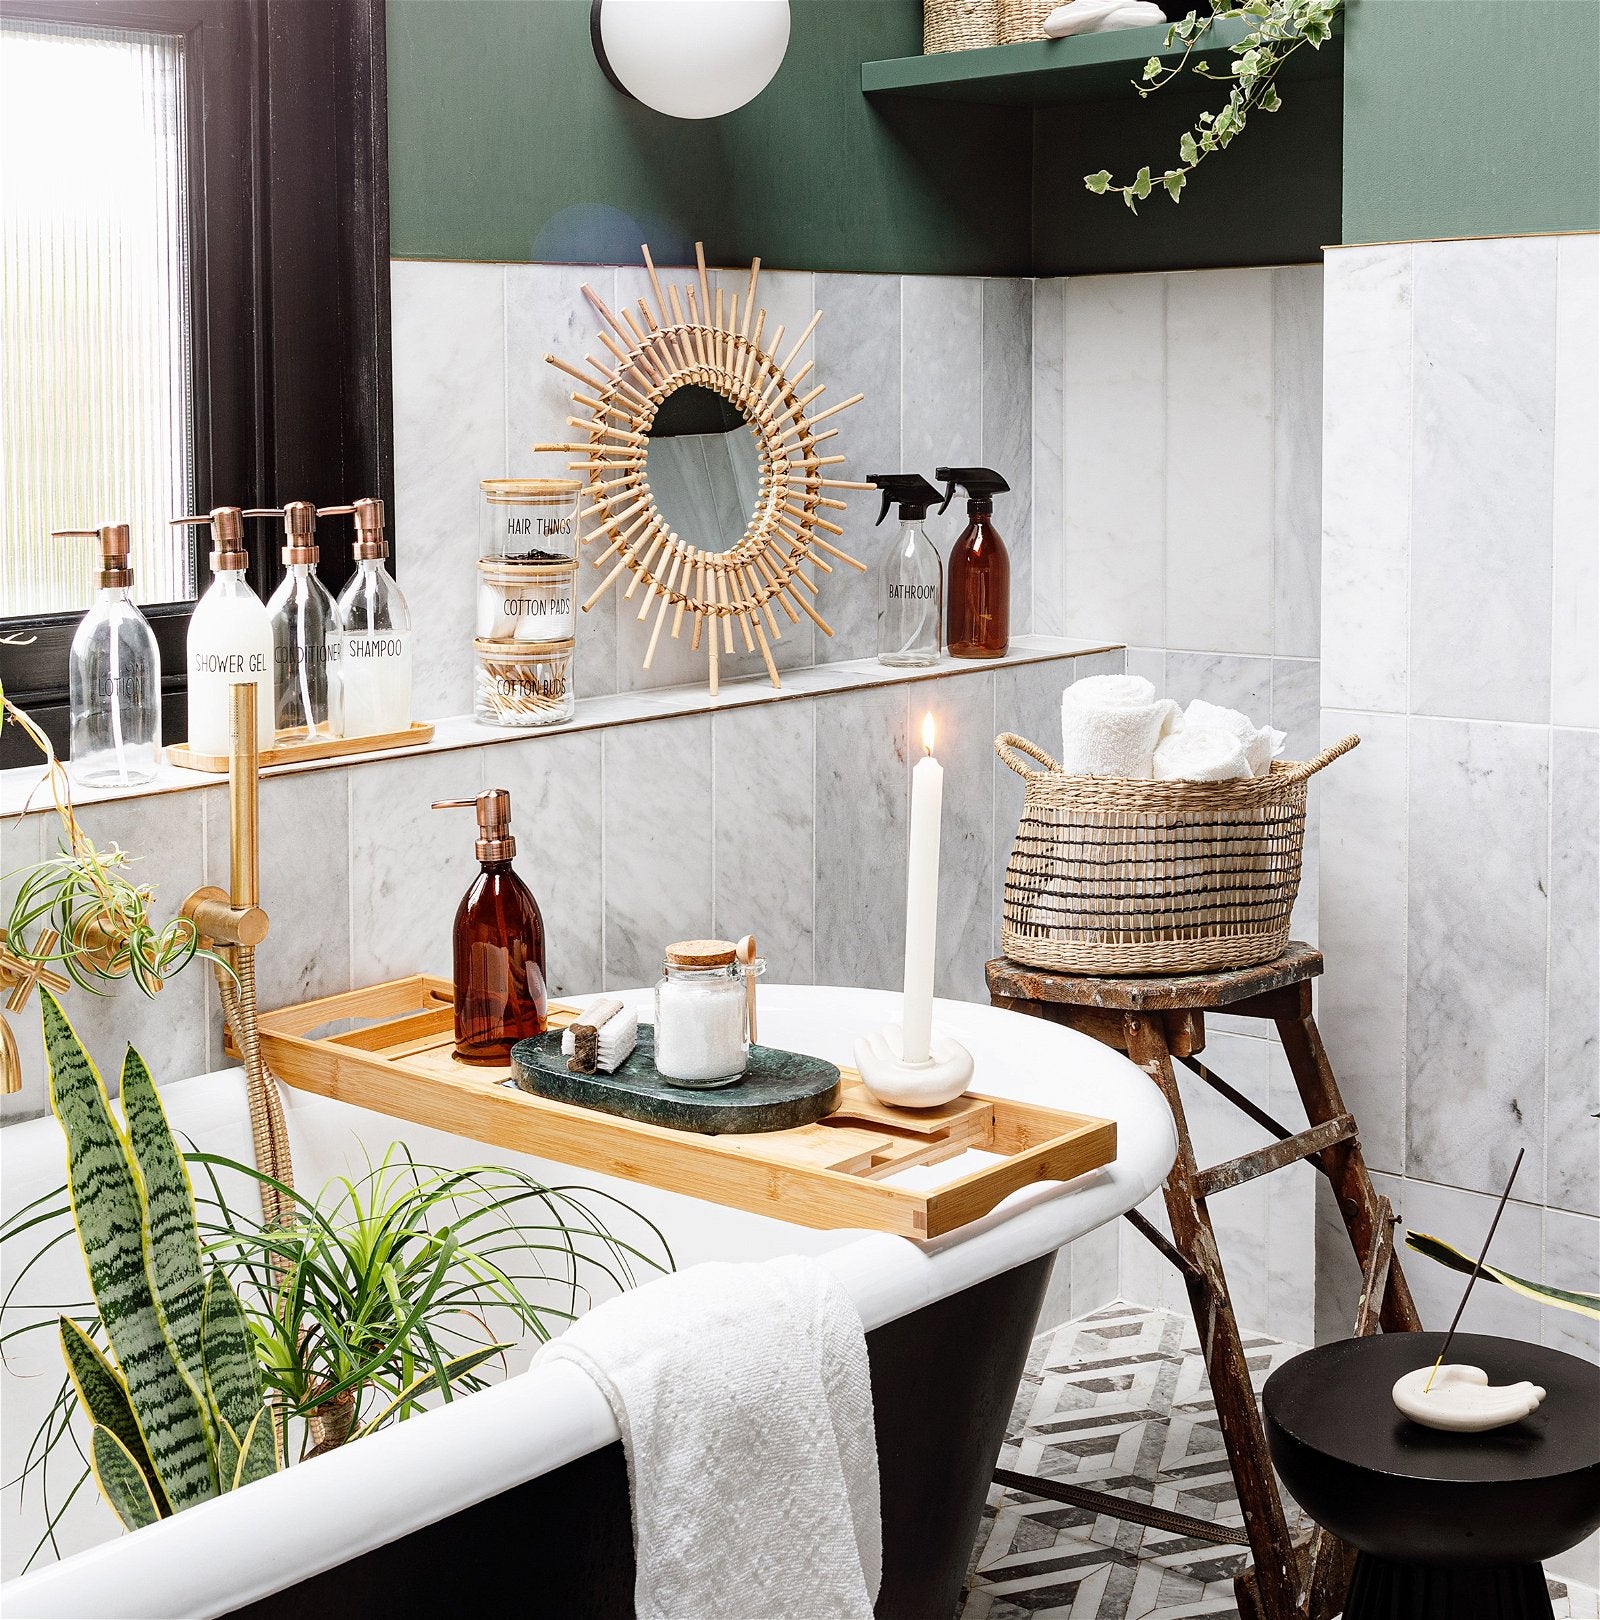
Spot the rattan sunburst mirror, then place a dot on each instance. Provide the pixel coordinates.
(700, 338)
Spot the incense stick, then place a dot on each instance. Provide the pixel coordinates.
(1477, 1271)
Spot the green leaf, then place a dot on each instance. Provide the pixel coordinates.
(1097, 183)
(1152, 68)
(258, 1455)
(121, 1481)
(429, 1381)
(1565, 1299)
(1270, 100)
(228, 1453)
(108, 1211)
(233, 1379)
(104, 1399)
(1187, 150)
(1174, 180)
(1141, 183)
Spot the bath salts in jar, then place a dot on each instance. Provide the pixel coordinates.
(702, 1033)
(518, 683)
(529, 520)
(526, 601)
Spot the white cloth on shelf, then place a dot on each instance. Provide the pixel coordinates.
(1110, 724)
(1101, 17)
(1200, 754)
(618, 1034)
(1261, 744)
(745, 1406)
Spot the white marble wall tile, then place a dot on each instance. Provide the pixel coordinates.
(1297, 710)
(963, 711)
(1338, 1276)
(1572, 1129)
(863, 818)
(1150, 662)
(1575, 648)
(1571, 1260)
(859, 351)
(657, 815)
(1145, 1275)
(409, 864)
(765, 823)
(1114, 416)
(1297, 460)
(305, 882)
(556, 797)
(1095, 1279)
(1225, 678)
(449, 432)
(1361, 1005)
(1049, 514)
(546, 313)
(1291, 1218)
(1366, 472)
(1219, 520)
(22, 845)
(1462, 1218)
(1482, 479)
(1475, 996)
(1007, 429)
(941, 374)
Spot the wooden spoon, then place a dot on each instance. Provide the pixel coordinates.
(745, 950)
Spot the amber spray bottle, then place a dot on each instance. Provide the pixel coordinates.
(499, 943)
(978, 622)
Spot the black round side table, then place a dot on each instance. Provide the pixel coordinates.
(1446, 1526)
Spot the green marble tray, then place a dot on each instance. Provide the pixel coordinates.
(779, 1091)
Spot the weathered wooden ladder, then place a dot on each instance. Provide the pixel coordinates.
(1154, 1020)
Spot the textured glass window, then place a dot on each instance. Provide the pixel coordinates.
(94, 328)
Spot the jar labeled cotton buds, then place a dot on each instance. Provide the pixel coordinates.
(703, 1004)
(519, 683)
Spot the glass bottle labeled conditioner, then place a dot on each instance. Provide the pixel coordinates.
(499, 943)
(911, 580)
(302, 615)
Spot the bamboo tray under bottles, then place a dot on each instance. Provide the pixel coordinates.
(389, 1049)
(302, 749)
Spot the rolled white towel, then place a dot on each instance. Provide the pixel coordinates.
(1110, 725)
(1200, 754)
(1101, 17)
(1261, 744)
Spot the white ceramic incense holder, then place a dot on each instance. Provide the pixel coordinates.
(1462, 1399)
(939, 1078)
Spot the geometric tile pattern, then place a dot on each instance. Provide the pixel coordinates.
(1118, 1401)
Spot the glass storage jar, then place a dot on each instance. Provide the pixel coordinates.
(523, 683)
(702, 1035)
(529, 520)
(526, 601)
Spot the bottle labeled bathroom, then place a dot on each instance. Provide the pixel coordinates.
(371, 668)
(230, 640)
(911, 580)
(498, 947)
(979, 624)
(113, 674)
(301, 611)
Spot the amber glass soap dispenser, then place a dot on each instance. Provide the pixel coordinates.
(979, 617)
(499, 943)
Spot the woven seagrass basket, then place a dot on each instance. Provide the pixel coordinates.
(959, 25)
(1110, 875)
(1024, 19)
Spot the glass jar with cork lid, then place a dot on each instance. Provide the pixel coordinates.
(703, 1005)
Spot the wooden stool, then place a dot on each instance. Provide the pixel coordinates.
(1154, 1020)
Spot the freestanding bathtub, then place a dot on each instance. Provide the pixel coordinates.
(515, 1499)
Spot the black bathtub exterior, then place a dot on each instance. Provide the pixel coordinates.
(944, 1380)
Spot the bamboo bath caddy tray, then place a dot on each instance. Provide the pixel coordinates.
(398, 1061)
(289, 753)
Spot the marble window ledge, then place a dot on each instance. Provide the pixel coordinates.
(23, 792)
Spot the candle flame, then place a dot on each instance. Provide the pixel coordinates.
(927, 733)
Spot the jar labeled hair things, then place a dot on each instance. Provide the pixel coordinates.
(529, 520)
(521, 684)
(702, 1034)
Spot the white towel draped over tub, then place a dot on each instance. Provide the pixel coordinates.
(745, 1406)
(1110, 725)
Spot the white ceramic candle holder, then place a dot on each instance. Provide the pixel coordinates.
(1463, 1399)
(939, 1078)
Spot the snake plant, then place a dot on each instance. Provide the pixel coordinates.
(176, 1411)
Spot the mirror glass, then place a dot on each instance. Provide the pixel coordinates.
(703, 467)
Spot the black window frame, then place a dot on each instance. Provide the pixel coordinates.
(288, 191)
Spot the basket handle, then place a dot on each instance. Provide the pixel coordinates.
(1008, 744)
(1309, 767)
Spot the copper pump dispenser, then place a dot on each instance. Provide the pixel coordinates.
(979, 615)
(499, 943)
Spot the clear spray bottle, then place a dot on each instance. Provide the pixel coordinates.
(911, 581)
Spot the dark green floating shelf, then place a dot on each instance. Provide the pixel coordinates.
(1053, 72)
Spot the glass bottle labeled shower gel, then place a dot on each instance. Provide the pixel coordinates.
(372, 668)
(979, 624)
(113, 674)
(302, 615)
(499, 943)
(230, 640)
(911, 580)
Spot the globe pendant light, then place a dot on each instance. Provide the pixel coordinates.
(690, 58)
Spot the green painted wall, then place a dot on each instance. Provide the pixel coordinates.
(506, 142)
(1471, 118)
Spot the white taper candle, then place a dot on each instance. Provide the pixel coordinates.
(922, 901)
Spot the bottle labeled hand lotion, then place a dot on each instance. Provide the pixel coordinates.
(371, 665)
(230, 640)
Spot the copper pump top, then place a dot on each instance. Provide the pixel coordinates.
(370, 544)
(701, 953)
(493, 805)
(116, 547)
(299, 529)
(227, 537)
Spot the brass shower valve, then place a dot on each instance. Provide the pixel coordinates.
(220, 922)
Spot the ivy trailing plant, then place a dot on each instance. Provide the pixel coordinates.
(1274, 31)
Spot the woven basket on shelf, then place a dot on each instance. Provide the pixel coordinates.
(1024, 19)
(959, 25)
(1110, 875)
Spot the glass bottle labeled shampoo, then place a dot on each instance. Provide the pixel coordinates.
(370, 669)
(980, 568)
(911, 580)
(499, 943)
